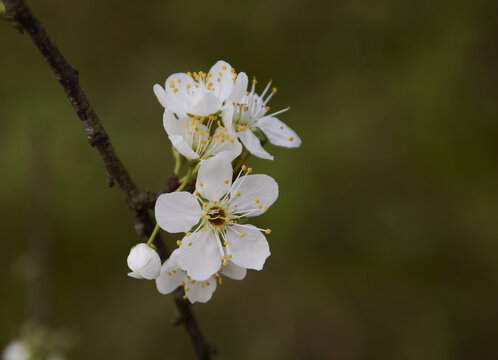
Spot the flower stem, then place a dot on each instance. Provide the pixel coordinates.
(153, 236)
(192, 171)
(178, 160)
(242, 159)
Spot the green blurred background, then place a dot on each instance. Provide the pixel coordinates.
(384, 242)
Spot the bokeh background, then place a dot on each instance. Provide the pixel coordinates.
(385, 235)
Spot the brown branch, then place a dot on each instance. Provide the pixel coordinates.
(137, 198)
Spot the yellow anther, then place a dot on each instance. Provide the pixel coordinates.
(210, 84)
(190, 243)
(175, 90)
(238, 194)
(187, 289)
(174, 271)
(220, 281)
(225, 263)
(254, 80)
(225, 181)
(242, 234)
(224, 67)
(281, 127)
(169, 273)
(274, 89)
(178, 242)
(249, 170)
(182, 284)
(229, 256)
(185, 297)
(267, 108)
(219, 80)
(188, 277)
(225, 243)
(257, 200)
(221, 270)
(189, 86)
(192, 282)
(291, 138)
(205, 228)
(196, 85)
(260, 206)
(207, 283)
(189, 73)
(232, 70)
(268, 231)
(201, 184)
(179, 81)
(188, 234)
(223, 257)
(244, 167)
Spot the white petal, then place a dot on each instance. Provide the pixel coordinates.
(16, 350)
(144, 262)
(253, 144)
(215, 178)
(207, 104)
(278, 132)
(227, 116)
(175, 129)
(152, 269)
(135, 275)
(170, 277)
(178, 98)
(199, 293)
(239, 88)
(234, 272)
(177, 212)
(182, 147)
(222, 79)
(174, 125)
(160, 94)
(256, 193)
(139, 256)
(200, 255)
(250, 251)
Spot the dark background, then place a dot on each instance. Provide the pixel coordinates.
(384, 242)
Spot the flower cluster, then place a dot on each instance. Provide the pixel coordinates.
(214, 123)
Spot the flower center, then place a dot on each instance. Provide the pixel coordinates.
(217, 216)
(206, 135)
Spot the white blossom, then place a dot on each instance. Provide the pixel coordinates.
(144, 262)
(250, 114)
(16, 350)
(199, 109)
(172, 276)
(19, 350)
(212, 219)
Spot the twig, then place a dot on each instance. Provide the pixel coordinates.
(137, 198)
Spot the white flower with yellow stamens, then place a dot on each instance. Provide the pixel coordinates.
(172, 276)
(199, 109)
(212, 218)
(250, 114)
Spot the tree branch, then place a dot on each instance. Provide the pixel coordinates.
(137, 198)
